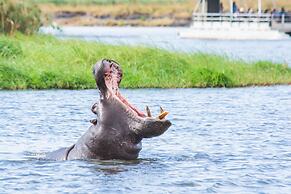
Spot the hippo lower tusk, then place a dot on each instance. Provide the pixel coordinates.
(148, 111)
(161, 110)
(163, 115)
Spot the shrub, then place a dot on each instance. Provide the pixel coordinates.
(9, 48)
(211, 78)
(12, 78)
(19, 16)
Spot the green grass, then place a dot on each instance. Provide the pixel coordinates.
(41, 62)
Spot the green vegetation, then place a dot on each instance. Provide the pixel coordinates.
(9, 48)
(41, 62)
(18, 16)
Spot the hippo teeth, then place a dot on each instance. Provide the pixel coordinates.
(163, 115)
(148, 111)
(161, 110)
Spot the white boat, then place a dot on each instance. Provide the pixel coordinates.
(211, 24)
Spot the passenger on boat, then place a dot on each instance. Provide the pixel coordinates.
(282, 12)
(267, 11)
(234, 7)
(250, 10)
(221, 8)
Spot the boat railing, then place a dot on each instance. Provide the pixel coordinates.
(241, 17)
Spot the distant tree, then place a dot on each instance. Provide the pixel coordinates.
(19, 16)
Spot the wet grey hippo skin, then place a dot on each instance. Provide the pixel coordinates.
(117, 131)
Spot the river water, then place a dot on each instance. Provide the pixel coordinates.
(221, 141)
(167, 38)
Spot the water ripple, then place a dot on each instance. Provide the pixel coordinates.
(221, 141)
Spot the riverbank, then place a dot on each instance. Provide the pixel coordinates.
(131, 13)
(120, 14)
(43, 62)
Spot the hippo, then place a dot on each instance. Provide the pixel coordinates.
(119, 127)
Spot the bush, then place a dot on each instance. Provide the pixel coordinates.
(12, 78)
(211, 78)
(9, 48)
(19, 16)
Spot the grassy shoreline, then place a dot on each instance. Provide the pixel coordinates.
(44, 62)
(132, 12)
(121, 14)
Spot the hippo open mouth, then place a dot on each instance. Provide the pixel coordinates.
(109, 88)
(113, 77)
(119, 127)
